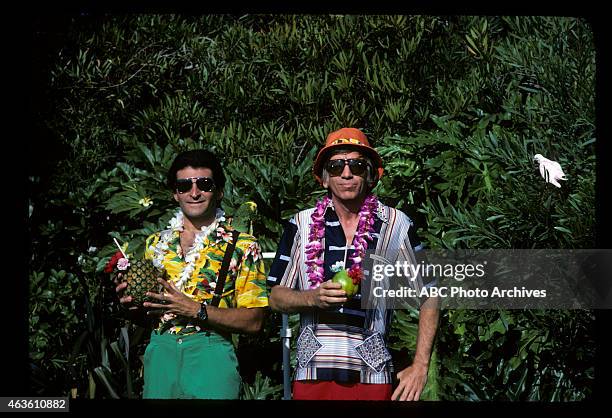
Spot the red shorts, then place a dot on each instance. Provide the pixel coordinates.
(330, 390)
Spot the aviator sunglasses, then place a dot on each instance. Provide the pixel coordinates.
(358, 166)
(204, 184)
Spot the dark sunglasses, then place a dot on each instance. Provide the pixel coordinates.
(358, 166)
(205, 184)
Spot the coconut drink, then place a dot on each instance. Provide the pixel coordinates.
(347, 279)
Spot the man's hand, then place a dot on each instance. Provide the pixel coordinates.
(126, 301)
(328, 295)
(174, 302)
(411, 383)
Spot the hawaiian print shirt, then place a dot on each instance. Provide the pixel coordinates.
(245, 283)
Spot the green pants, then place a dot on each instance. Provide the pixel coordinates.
(202, 366)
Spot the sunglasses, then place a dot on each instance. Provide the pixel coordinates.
(358, 166)
(204, 184)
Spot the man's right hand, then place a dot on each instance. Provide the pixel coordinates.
(328, 295)
(126, 301)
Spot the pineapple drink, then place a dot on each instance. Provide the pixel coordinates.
(141, 278)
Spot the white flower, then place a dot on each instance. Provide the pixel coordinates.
(123, 264)
(550, 170)
(220, 215)
(145, 201)
(176, 223)
(233, 265)
(337, 266)
(255, 250)
(223, 235)
(206, 230)
(168, 317)
(91, 250)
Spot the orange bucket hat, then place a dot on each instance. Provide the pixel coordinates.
(346, 137)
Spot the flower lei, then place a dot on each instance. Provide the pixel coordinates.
(192, 256)
(314, 248)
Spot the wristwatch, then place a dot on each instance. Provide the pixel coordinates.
(202, 314)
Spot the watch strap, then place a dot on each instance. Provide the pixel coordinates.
(202, 313)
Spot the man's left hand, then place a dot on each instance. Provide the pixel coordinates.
(411, 383)
(174, 302)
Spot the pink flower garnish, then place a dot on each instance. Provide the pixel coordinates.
(110, 266)
(123, 264)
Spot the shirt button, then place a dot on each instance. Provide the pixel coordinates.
(180, 341)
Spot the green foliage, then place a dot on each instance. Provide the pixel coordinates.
(457, 107)
(473, 183)
(517, 355)
(53, 322)
(261, 389)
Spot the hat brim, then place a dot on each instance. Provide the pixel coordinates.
(317, 168)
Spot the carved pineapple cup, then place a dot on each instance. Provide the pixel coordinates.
(141, 278)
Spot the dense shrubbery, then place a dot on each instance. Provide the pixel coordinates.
(457, 106)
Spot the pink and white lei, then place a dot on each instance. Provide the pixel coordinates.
(314, 248)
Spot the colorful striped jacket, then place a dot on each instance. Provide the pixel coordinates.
(336, 344)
